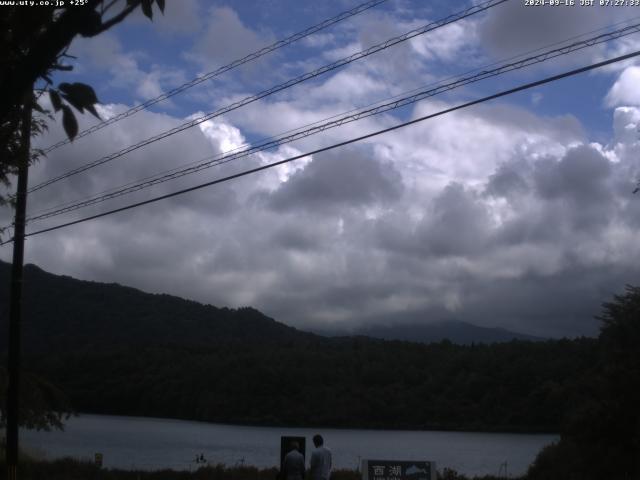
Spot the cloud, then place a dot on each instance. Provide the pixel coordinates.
(225, 39)
(507, 182)
(363, 234)
(349, 85)
(345, 179)
(456, 224)
(493, 214)
(180, 18)
(105, 54)
(454, 41)
(625, 90)
(513, 27)
(580, 175)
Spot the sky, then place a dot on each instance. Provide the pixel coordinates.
(515, 213)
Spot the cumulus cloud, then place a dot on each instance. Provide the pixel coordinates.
(625, 90)
(456, 224)
(105, 54)
(513, 28)
(420, 225)
(348, 179)
(225, 38)
(455, 41)
(179, 17)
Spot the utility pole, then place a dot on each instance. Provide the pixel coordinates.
(15, 305)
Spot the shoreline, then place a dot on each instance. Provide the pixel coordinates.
(149, 444)
(432, 428)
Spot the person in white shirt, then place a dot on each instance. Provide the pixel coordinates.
(320, 463)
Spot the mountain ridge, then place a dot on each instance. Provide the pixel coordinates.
(458, 332)
(63, 312)
(87, 299)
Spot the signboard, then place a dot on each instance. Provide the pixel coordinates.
(285, 446)
(398, 470)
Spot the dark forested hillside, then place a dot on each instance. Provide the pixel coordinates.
(117, 350)
(62, 314)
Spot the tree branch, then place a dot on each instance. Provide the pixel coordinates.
(108, 7)
(117, 19)
(45, 50)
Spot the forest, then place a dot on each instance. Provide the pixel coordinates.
(516, 386)
(116, 350)
(109, 349)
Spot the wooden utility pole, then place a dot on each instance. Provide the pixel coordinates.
(15, 305)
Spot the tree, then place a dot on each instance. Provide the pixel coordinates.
(601, 439)
(43, 406)
(35, 42)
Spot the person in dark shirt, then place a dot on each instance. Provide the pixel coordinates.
(293, 465)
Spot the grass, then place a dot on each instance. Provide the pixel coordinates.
(71, 469)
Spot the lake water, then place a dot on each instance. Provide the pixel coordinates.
(153, 443)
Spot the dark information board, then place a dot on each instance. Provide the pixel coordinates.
(398, 470)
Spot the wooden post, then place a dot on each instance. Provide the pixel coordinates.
(15, 305)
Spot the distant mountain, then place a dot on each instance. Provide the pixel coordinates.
(62, 313)
(461, 333)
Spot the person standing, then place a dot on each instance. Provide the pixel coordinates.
(293, 465)
(320, 463)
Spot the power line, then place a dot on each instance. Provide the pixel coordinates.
(307, 76)
(277, 141)
(387, 99)
(219, 71)
(342, 144)
(302, 78)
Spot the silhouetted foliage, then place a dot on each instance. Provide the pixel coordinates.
(35, 42)
(601, 438)
(69, 469)
(42, 405)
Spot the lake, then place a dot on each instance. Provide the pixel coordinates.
(154, 443)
